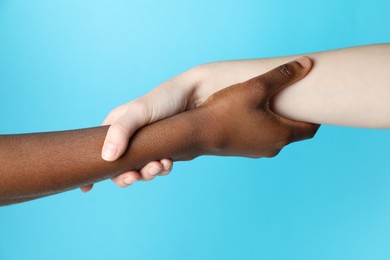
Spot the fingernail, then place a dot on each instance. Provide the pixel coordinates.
(129, 180)
(109, 152)
(154, 171)
(304, 61)
(167, 167)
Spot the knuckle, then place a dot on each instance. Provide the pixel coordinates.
(116, 112)
(272, 153)
(286, 71)
(283, 137)
(121, 127)
(140, 110)
(313, 131)
(137, 110)
(283, 142)
(259, 85)
(307, 132)
(197, 74)
(111, 117)
(310, 135)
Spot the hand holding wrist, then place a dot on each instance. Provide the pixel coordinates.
(242, 122)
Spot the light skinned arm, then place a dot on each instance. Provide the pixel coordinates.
(347, 87)
(236, 121)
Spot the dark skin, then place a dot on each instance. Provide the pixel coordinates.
(236, 121)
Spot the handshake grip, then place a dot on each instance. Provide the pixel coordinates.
(236, 121)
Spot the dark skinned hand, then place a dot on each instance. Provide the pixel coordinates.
(242, 117)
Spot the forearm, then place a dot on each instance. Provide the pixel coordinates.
(348, 87)
(36, 165)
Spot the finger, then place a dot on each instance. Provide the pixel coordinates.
(166, 100)
(121, 130)
(302, 131)
(151, 170)
(275, 80)
(167, 165)
(126, 179)
(86, 188)
(294, 131)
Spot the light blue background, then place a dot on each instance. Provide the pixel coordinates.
(65, 64)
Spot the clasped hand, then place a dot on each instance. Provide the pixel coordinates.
(239, 119)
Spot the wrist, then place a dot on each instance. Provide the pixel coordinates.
(209, 133)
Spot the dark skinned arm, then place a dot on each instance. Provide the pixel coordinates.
(234, 121)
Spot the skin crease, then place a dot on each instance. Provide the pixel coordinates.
(348, 87)
(234, 121)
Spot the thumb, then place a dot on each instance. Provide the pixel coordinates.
(120, 131)
(275, 80)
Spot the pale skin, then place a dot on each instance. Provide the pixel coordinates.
(347, 87)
